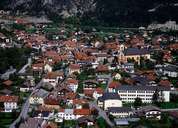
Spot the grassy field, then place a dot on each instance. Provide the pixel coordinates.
(6, 119)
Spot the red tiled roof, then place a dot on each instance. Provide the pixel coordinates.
(99, 90)
(82, 112)
(50, 101)
(7, 82)
(44, 109)
(165, 83)
(70, 43)
(88, 92)
(61, 110)
(79, 101)
(53, 75)
(70, 95)
(112, 46)
(38, 65)
(74, 66)
(9, 98)
(102, 68)
(114, 84)
(51, 54)
(72, 81)
(174, 46)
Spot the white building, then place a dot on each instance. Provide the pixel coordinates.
(120, 112)
(38, 97)
(48, 68)
(167, 70)
(72, 114)
(9, 103)
(109, 100)
(130, 93)
(149, 112)
(53, 78)
(72, 84)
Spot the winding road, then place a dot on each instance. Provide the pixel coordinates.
(24, 111)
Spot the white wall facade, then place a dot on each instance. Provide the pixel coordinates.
(112, 103)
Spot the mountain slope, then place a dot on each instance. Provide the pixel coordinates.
(110, 11)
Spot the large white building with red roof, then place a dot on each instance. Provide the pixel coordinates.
(8, 103)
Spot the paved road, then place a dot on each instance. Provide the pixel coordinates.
(102, 113)
(109, 81)
(24, 111)
(169, 110)
(23, 69)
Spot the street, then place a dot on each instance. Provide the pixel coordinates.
(24, 111)
(102, 113)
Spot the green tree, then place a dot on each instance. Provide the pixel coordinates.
(111, 117)
(101, 122)
(165, 120)
(137, 102)
(155, 98)
(57, 66)
(105, 61)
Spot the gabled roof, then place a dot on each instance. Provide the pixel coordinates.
(135, 51)
(8, 82)
(72, 81)
(84, 119)
(82, 112)
(74, 66)
(54, 75)
(102, 68)
(119, 109)
(109, 96)
(31, 123)
(9, 98)
(114, 84)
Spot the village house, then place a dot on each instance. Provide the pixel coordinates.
(121, 112)
(74, 68)
(102, 69)
(72, 114)
(72, 84)
(149, 112)
(51, 102)
(90, 84)
(53, 78)
(98, 92)
(109, 100)
(46, 115)
(86, 121)
(48, 67)
(38, 69)
(128, 67)
(167, 70)
(113, 86)
(38, 97)
(24, 88)
(8, 103)
(78, 103)
(81, 112)
(62, 91)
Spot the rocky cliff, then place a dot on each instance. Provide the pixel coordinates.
(110, 11)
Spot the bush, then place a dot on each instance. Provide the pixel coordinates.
(101, 123)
